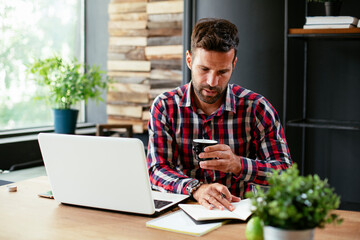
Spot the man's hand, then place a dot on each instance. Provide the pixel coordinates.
(225, 160)
(215, 195)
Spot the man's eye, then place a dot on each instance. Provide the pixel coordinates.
(204, 69)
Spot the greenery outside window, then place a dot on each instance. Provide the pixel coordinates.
(34, 29)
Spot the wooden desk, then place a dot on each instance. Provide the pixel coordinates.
(24, 215)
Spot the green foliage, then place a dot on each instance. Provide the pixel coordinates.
(24, 114)
(67, 82)
(295, 202)
(25, 37)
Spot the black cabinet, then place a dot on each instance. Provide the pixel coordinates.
(321, 103)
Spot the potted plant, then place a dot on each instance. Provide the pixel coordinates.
(332, 7)
(294, 205)
(68, 83)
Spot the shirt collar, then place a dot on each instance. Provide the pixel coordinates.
(230, 99)
(186, 98)
(229, 104)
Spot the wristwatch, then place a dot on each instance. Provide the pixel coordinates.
(193, 186)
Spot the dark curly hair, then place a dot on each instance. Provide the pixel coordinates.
(214, 34)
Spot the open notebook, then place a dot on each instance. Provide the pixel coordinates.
(102, 172)
(200, 213)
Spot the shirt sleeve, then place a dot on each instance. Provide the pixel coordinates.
(272, 152)
(163, 152)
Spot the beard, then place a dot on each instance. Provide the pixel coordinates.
(208, 99)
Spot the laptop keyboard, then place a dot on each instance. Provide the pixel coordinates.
(160, 203)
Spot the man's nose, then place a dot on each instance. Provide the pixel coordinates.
(212, 80)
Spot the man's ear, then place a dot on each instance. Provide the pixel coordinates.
(234, 63)
(188, 59)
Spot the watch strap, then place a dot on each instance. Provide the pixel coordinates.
(193, 186)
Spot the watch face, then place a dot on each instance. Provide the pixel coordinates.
(192, 185)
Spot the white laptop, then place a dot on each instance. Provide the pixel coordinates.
(101, 172)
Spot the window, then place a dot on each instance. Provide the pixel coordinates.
(33, 29)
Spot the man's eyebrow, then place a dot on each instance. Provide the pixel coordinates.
(223, 69)
(202, 66)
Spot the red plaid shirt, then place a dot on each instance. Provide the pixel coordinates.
(246, 122)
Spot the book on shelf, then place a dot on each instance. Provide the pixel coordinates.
(328, 26)
(200, 213)
(331, 20)
(179, 222)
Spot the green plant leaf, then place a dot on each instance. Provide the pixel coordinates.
(68, 82)
(295, 202)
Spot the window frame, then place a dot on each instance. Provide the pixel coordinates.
(19, 147)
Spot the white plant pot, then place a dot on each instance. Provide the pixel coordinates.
(273, 233)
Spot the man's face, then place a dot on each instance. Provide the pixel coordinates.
(210, 72)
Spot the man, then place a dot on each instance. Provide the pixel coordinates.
(251, 139)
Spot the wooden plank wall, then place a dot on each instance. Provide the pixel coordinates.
(144, 57)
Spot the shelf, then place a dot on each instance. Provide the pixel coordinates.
(324, 33)
(328, 124)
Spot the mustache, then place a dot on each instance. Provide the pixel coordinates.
(210, 88)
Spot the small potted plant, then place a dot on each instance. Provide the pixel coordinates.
(68, 83)
(332, 7)
(294, 205)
